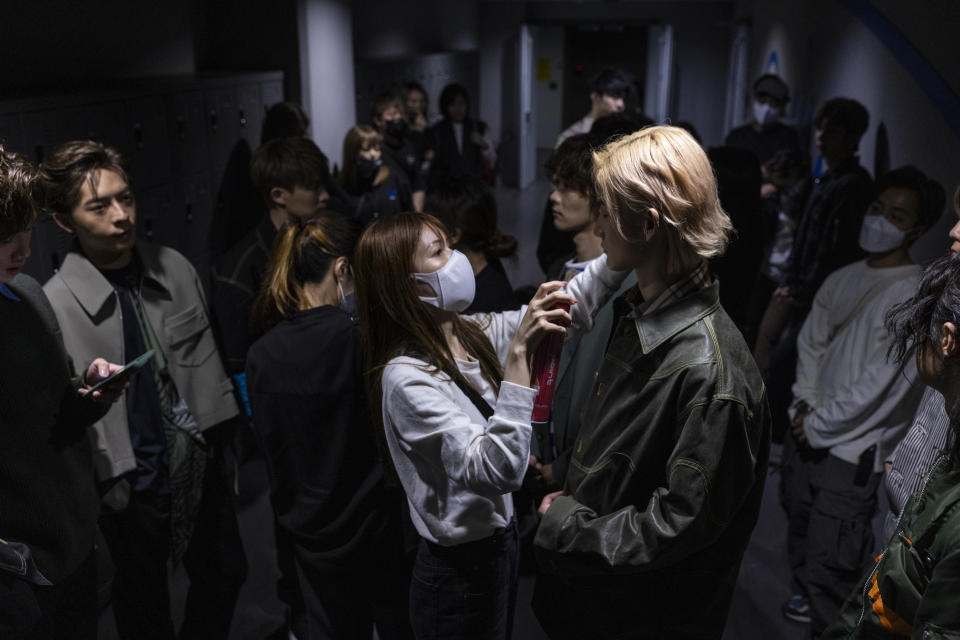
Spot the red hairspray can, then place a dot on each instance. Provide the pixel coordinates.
(546, 362)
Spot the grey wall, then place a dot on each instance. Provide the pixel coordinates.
(826, 51)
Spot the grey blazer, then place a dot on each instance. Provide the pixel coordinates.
(173, 301)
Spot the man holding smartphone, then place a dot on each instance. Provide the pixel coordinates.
(159, 453)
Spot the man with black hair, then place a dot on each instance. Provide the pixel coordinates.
(825, 240)
(386, 114)
(851, 405)
(766, 134)
(608, 91)
(574, 207)
(291, 176)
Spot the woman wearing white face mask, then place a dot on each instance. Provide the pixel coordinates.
(455, 403)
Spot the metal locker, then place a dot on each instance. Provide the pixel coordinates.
(48, 246)
(40, 133)
(271, 92)
(106, 122)
(150, 160)
(223, 126)
(156, 214)
(188, 129)
(197, 212)
(250, 113)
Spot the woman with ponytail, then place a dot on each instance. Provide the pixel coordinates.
(310, 415)
(468, 210)
(452, 400)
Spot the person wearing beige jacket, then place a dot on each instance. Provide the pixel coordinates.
(158, 454)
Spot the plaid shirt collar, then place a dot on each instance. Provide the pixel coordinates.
(698, 279)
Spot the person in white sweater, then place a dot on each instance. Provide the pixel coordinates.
(851, 403)
(453, 395)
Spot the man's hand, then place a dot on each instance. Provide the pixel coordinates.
(544, 473)
(99, 370)
(547, 501)
(478, 140)
(797, 427)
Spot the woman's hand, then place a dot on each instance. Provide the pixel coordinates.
(542, 317)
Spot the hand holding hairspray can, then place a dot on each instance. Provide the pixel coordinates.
(546, 362)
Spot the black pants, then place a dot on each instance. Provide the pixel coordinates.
(829, 531)
(139, 541)
(468, 591)
(349, 606)
(67, 609)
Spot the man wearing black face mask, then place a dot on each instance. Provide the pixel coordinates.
(387, 116)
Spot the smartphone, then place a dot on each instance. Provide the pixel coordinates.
(128, 370)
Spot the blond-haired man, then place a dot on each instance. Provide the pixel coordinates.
(664, 485)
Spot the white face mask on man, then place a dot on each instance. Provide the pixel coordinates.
(877, 234)
(454, 284)
(765, 114)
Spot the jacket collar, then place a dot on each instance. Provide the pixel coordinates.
(656, 328)
(91, 288)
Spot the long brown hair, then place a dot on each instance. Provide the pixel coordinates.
(303, 253)
(396, 322)
(358, 139)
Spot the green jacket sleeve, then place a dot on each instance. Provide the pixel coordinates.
(706, 486)
(938, 616)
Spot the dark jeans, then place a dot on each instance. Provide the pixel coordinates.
(467, 591)
(139, 541)
(829, 531)
(348, 606)
(65, 610)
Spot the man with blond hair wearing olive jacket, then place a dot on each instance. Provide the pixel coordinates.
(664, 485)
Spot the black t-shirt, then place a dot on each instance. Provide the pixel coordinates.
(390, 197)
(494, 292)
(763, 144)
(309, 410)
(403, 161)
(144, 411)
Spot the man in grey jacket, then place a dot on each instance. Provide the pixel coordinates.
(158, 453)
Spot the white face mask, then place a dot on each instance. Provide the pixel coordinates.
(765, 114)
(454, 284)
(879, 234)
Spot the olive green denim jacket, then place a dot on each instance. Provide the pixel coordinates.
(669, 466)
(913, 590)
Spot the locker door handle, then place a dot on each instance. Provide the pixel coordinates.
(213, 120)
(243, 118)
(181, 128)
(189, 210)
(148, 227)
(138, 136)
(38, 153)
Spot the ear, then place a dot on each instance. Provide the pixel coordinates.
(455, 237)
(948, 340)
(913, 235)
(341, 267)
(63, 222)
(278, 195)
(651, 224)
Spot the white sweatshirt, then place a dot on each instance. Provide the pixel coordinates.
(457, 468)
(859, 397)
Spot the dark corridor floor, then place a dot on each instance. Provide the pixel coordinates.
(754, 613)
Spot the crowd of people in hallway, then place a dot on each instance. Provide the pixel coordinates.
(362, 337)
